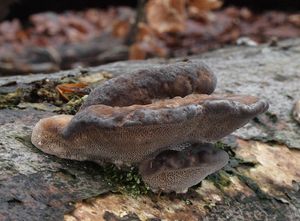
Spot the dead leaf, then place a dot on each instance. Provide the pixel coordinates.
(147, 44)
(65, 90)
(166, 15)
(294, 19)
(120, 28)
(137, 52)
(198, 7)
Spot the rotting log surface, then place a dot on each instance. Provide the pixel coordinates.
(261, 182)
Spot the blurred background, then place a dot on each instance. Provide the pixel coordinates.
(44, 37)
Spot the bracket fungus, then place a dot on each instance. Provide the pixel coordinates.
(161, 119)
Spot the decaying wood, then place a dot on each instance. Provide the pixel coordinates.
(261, 181)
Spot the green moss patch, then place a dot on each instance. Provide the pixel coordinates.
(125, 180)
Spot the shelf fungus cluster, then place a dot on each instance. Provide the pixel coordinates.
(162, 119)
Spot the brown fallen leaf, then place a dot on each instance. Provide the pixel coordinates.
(120, 28)
(148, 44)
(199, 8)
(137, 52)
(166, 15)
(294, 19)
(67, 90)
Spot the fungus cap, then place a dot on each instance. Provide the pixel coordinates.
(178, 170)
(157, 82)
(129, 134)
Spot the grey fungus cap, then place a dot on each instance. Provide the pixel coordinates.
(157, 82)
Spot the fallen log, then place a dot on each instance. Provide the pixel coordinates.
(261, 181)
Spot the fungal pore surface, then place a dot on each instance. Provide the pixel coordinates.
(161, 119)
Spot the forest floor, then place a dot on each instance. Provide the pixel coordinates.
(48, 41)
